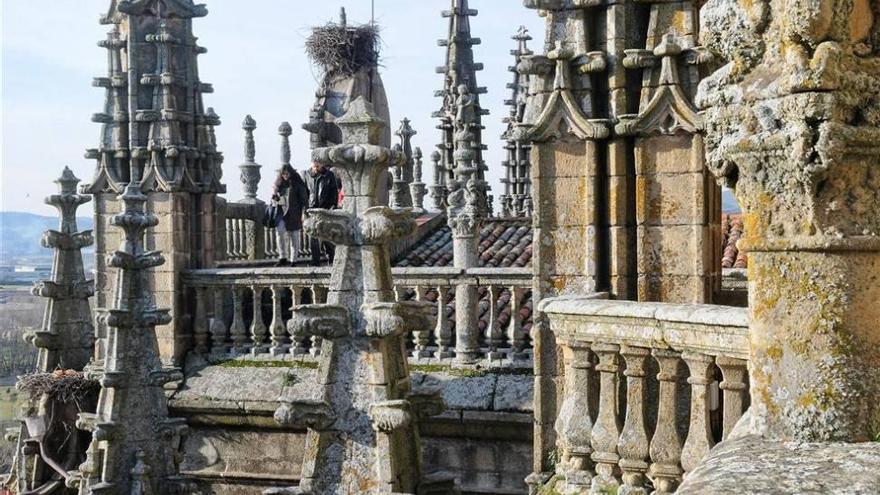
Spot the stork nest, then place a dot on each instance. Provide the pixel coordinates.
(61, 385)
(343, 50)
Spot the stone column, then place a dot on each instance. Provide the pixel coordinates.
(465, 214)
(793, 124)
(417, 187)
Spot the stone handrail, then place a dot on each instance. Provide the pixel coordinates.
(224, 298)
(246, 239)
(673, 359)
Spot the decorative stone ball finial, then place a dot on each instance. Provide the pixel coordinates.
(285, 130)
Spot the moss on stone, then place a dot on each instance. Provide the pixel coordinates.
(468, 372)
(244, 363)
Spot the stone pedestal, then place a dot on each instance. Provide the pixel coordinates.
(793, 123)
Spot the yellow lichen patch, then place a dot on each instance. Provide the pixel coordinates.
(775, 352)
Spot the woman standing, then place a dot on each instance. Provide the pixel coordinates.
(290, 194)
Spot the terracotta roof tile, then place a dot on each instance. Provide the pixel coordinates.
(731, 232)
(504, 243)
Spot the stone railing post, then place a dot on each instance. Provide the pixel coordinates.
(733, 385)
(606, 431)
(665, 445)
(803, 161)
(699, 439)
(573, 424)
(633, 443)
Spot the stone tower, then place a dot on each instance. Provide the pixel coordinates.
(363, 429)
(156, 132)
(460, 76)
(135, 446)
(623, 201)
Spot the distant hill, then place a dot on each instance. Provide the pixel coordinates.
(20, 233)
(728, 202)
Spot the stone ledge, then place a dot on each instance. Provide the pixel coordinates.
(753, 466)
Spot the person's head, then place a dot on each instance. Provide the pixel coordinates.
(318, 167)
(285, 173)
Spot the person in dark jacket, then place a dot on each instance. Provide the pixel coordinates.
(290, 194)
(323, 193)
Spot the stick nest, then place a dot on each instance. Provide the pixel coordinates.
(62, 385)
(342, 50)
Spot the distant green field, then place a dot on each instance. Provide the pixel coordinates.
(8, 399)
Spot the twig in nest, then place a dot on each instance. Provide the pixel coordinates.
(62, 385)
(342, 50)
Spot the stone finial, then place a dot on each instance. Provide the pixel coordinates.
(417, 187)
(405, 132)
(285, 130)
(249, 125)
(250, 170)
(417, 168)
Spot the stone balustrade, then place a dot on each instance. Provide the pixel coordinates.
(223, 302)
(649, 389)
(246, 239)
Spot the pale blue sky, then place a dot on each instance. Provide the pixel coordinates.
(256, 63)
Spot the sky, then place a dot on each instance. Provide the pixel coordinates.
(257, 65)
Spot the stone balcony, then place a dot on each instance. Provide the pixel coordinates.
(649, 388)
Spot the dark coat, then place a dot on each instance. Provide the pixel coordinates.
(297, 198)
(323, 189)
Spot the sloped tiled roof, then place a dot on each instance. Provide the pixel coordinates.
(504, 243)
(731, 232)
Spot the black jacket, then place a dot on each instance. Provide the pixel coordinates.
(297, 198)
(323, 189)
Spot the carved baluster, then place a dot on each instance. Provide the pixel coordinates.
(573, 424)
(665, 447)
(319, 295)
(422, 335)
(230, 235)
(241, 241)
(633, 443)
(699, 438)
(734, 387)
(494, 337)
(200, 323)
(606, 431)
(443, 332)
(277, 327)
(298, 347)
(515, 335)
(219, 332)
(259, 332)
(237, 329)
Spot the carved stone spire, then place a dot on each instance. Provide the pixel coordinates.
(131, 428)
(67, 338)
(403, 175)
(165, 144)
(250, 169)
(363, 431)
(460, 73)
(516, 200)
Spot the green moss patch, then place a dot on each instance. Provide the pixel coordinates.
(243, 363)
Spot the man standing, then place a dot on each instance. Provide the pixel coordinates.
(323, 193)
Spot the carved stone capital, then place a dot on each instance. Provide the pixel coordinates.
(381, 224)
(391, 415)
(316, 415)
(397, 318)
(336, 226)
(319, 320)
